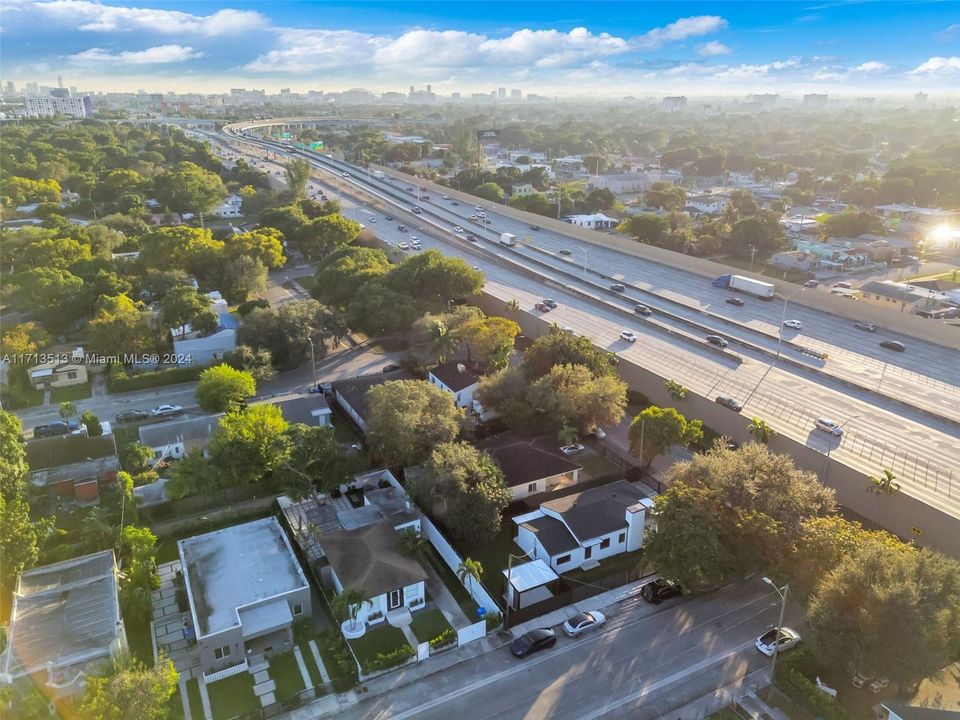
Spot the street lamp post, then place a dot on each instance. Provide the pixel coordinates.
(783, 606)
(313, 361)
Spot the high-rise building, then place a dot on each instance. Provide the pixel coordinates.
(672, 104)
(9, 88)
(429, 89)
(78, 107)
(516, 94)
(501, 93)
(815, 100)
(920, 97)
(59, 92)
(411, 90)
(32, 88)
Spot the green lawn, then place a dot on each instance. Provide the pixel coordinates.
(175, 707)
(341, 678)
(428, 624)
(21, 395)
(382, 639)
(286, 673)
(232, 696)
(725, 714)
(70, 393)
(456, 588)
(139, 640)
(193, 697)
(595, 466)
(493, 557)
(608, 566)
(311, 664)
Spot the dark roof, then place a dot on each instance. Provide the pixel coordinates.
(552, 534)
(938, 285)
(370, 558)
(455, 375)
(523, 463)
(910, 712)
(597, 511)
(354, 390)
(51, 452)
(300, 409)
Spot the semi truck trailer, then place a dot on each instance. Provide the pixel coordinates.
(739, 283)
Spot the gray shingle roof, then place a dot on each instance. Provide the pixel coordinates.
(523, 463)
(354, 390)
(370, 558)
(597, 511)
(552, 534)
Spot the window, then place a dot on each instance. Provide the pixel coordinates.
(605, 543)
(622, 537)
(563, 559)
(298, 609)
(222, 652)
(587, 552)
(72, 375)
(532, 487)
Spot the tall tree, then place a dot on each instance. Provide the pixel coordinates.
(188, 187)
(13, 461)
(222, 387)
(655, 430)
(118, 328)
(341, 275)
(407, 418)
(435, 279)
(286, 332)
(249, 443)
(298, 173)
(181, 305)
(316, 461)
(131, 691)
(564, 349)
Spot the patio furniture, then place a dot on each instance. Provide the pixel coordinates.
(879, 684)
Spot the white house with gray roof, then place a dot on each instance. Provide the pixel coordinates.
(246, 590)
(65, 624)
(173, 440)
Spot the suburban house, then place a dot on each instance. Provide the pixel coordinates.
(65, 624)
(596, 221)
(371, 558)
(529, 470)
(230, 208)
(203, 349)
(350, 394)
(522, 190)
(623, 183)
(246, 589)
(936, 698)
(60, 372)
(456, 378)
(579, 530)
(173, 440)
(902, 296)
(710, 203)
(795, 260)
(307, 409)
(71, 467)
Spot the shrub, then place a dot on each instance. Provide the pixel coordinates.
(803, 691)
(245, 308)
(386, 660)
(447, 637)
(119, 381)
(493, 620)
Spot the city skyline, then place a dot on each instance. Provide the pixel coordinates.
(605, 49)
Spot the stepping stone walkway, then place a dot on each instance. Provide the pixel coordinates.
(264, 686)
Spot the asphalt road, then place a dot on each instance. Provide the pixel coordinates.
(648, 661)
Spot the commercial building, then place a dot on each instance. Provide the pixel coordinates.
(78, 107)
(902, 296)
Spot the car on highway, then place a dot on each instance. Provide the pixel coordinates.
(868, 326)
(415, 244)
(573, 449)
(346, 174)
(533, 641)
(454, 202)
(472, 238)
(584, 622)
(417, 211)
(793, 324)
(552, 304)
(409, 189)
(132, 416)
(893, 345)
(478, 207)
(628, 335)
(402, 228)
(642, 309)
(811, 283)
(735, 301)
(541, 307)
(659, 590)
(402, 246)
(424, 197)
(486, 221)
(388, 217)
(57, 427)
(166, 410)
(729, 403)
(534, 227)
(475, 218)
(618, 287)
(829, 426)
(564, 251)
(716, 340)
(457, 229)
(372, 219)
(446, 197)
(770, 642)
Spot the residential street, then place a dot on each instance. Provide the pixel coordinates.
(649, 661)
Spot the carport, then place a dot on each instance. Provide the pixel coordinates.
(530, 583)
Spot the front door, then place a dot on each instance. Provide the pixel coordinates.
(394, 599)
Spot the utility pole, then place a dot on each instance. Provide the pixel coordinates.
(783, 606)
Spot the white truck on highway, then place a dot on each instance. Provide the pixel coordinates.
(379, 174)
(508, 239)
(757, 288)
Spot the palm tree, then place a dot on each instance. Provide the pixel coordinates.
(760, 430)
(414, 543)
(67, 410)
(470, 570)
(885, 485)
(567, 434)
(97, 530)
(346, 605)
(511, 306)
(677, 391)
(442, 340)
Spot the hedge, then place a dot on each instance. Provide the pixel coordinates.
(119, 381)
(803, 691)
(447, 637)
(386, 660)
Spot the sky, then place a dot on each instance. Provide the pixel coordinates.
(556, 48)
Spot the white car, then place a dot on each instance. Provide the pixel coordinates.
(574, 449)
(795, 324)
(446, 197)
(628, 336)
(415, 244)
(582, 622)
(828, 425)
(788, 639)
(599, 433)
(166, 410)
(457, 229)
(478, 207)
(403, 246)
(346, 174)
(373, 219)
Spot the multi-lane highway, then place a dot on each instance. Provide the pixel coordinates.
(899, 412)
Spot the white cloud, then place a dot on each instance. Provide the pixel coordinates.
(937, 65)
(89, 16)
(305, 51)
(713, 49)
(161, 54)
(755, 71)
(872, 66)
(949, 32)
(680, 30)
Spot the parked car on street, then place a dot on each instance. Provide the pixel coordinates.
(599, 433)
(166, 411)
(52, 429)
(132, 416)
(829, 426)
(729, 403)
(659, 590)
(574, 449)
(584, 622)
(768, 642)
(533, 641)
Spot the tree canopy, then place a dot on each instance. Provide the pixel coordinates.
(222, 387)
(406, 419)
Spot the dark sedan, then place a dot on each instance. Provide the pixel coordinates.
(659, 590)
(533, 641)
(132, 416)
